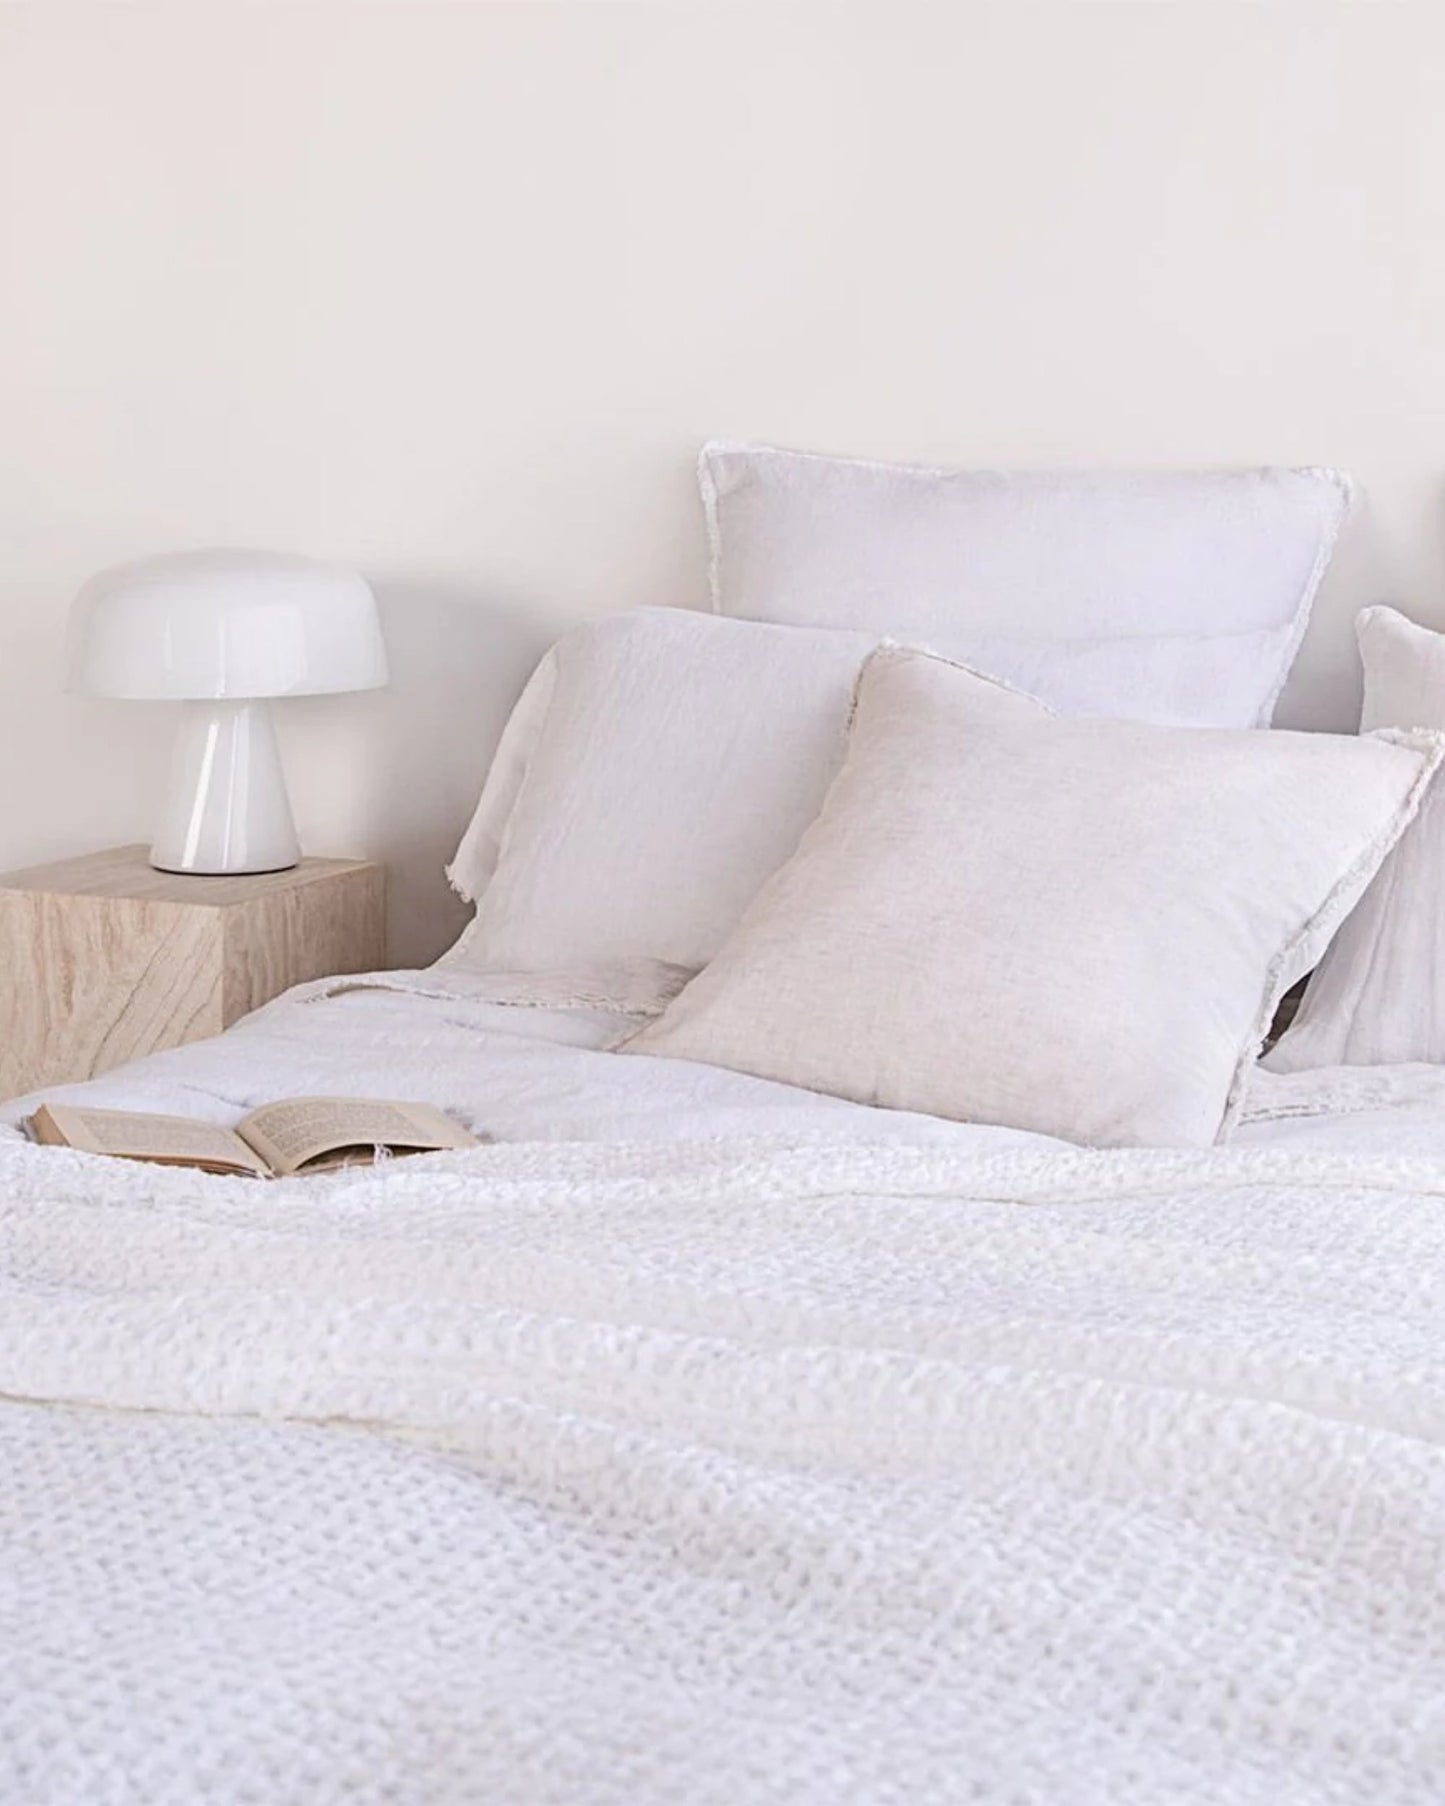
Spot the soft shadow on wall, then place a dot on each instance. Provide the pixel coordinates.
(1324, 688)
(395, 774)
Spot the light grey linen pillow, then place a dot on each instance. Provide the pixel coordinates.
(1181, 595)
(1378, 997)
(1078, 928)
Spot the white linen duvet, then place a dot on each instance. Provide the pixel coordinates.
(705, 1441)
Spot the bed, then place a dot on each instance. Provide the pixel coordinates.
(1067, 1434)
(703, 1439)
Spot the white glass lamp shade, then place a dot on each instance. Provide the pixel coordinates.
(196, 625)
(222, 632)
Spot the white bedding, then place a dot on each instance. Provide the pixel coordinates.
(783, 1450)
(539, 1074)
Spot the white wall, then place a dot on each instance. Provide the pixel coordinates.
(454, 291)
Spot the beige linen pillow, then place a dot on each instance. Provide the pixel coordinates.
(1080, 928)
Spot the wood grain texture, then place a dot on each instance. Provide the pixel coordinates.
(103, 960)
(283, 937)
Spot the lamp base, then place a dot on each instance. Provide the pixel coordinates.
(226, 808)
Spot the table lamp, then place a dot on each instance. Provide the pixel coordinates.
(222, 632)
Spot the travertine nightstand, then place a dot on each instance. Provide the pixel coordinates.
(103, 959)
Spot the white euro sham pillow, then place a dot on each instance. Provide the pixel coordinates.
(676, 764)
(1216, 570)
(1078, 928)
(1378, 997)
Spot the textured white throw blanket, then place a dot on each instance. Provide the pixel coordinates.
(720, 1474)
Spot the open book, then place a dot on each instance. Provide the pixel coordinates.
(300, 1134)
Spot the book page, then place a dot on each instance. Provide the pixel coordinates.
(289, 1134)
(132, 1135)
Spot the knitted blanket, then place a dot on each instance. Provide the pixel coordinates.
(716, 1473)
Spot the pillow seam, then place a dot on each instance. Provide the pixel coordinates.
(707, 487)
(899, 649)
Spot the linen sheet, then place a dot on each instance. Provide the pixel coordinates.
(819, 1454)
